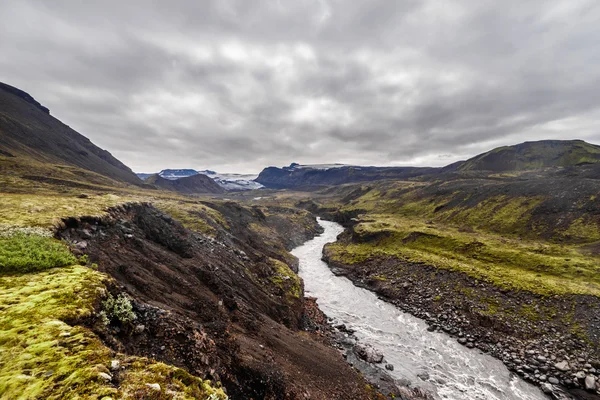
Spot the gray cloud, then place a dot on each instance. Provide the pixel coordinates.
(238, 85)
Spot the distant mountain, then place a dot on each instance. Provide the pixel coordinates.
(231, 182)
(29, 132)
(297, 175)
(195, 184)
(234, 182)
(534, 155)
(177, 173)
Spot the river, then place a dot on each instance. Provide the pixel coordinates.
(455, 371)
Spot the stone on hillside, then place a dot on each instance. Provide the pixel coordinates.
(562, 366)
(553, 380)
(153, 386)
(104, 376)
(590, 383)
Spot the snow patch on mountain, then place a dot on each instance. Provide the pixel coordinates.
(229, 181)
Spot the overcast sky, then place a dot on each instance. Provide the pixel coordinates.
(238, 85)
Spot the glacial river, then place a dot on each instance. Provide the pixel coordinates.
(455, 372)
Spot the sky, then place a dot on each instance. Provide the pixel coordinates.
(237, 85)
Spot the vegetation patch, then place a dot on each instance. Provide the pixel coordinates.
(538, 267)
(194, 215)
(285, 279)
(48, 210)
(43, 356)
(21, 252)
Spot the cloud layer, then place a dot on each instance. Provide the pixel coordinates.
(239, 85)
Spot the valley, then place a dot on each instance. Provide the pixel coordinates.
(179, 286)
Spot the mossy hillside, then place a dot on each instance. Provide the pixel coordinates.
(538, 212)
(43, 356)
(193, 215)
(286, 280)
(24, 174)
(538, 267)
(21, 252)
(48, 210)
(535, 155)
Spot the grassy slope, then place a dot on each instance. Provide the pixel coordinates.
(45, 353)
(489, 240)
(36, 301)
(533, 155)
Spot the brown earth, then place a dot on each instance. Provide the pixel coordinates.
(204, 305)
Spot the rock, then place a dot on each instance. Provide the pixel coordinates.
(139, 329)
(562, 366)
(65, 334)
(462, 340)
(83, 196)
(541, 358)
(590, 383)
(153, 386)
(547, 388)
(423, 376)
(104, 376)
(553, 380)
(114, 365)
(368, 353)
(81, 245)
(389, 367)
(580, 375)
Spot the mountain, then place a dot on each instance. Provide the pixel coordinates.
(534, 155)
(297, 175)
(231, 182)
(172, 174)
(234, 182)
(194, 184)
(28, 133)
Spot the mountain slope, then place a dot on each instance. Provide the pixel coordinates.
(534, 155)
(189, 185)
(296, 175)
(29, 132)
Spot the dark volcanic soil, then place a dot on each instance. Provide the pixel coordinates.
(205, 305)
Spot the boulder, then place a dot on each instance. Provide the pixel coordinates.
(368, 353)
(562, 366)
(590, 383)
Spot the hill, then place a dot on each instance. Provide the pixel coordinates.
(194, 184)
(28, 133)
(302, 176)
(534, 155)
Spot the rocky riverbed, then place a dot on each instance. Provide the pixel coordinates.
(553, 345)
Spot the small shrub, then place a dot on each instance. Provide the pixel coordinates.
(117, 309)
(22, 253)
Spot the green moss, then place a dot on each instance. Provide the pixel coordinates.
(47, 210)
(20, 253)
(582, 230)
(43, 356)
(285, 279)
(193, 215)
(537, 267)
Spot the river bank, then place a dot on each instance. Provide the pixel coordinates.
(527, 333)
(433, 361)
